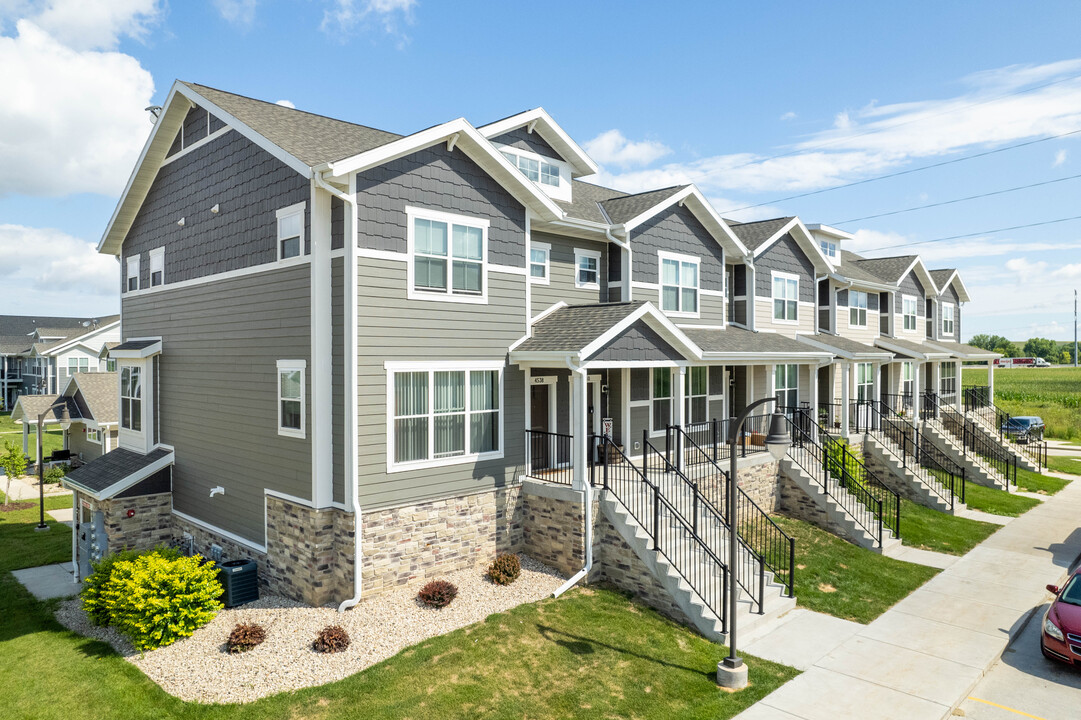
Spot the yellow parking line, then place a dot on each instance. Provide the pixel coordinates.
(1003, 707)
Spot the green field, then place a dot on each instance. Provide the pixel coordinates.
(1052, 393)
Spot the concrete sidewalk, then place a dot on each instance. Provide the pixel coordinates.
(921, 658)
(49, 581)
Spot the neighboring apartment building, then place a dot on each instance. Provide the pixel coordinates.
(326, 324)
(39, 354)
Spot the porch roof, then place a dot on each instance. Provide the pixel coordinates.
(116, 471)
(28, 407)
(744, 347)
(914, 350)
(966, 352)
(846, 348)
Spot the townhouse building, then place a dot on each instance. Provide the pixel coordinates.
(431, 347)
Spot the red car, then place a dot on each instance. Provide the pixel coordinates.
(1060, 637)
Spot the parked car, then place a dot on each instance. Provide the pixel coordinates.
(1060, 636)
(1024, 428)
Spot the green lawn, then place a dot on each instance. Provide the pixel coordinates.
(1064, 464)
(997, 502)
(1029, 481)
(838, 578)
(1052, 393)
(929, 529)
(52, 440)
(591, 653)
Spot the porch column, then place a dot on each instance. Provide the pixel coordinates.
(105, 432)
(813, 369)
(66, 434)
(846, 371)
(529, 419)
(991, 381)
(681, 396)
(26, 438)
(579, 428)
(876, 372)
(957, 386)
(916, 395)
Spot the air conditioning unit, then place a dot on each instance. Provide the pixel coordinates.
(240, 582)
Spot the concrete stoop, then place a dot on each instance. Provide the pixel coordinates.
(833, 515)
(690, 604)
(912, 486)
(977, 469)
(992, 434)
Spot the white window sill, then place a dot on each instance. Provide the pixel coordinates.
(448, 297)
(786, 322)
(287, 432)
(444, 462)
(538, 281)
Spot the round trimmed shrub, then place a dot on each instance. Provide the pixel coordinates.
(438, 593)
(331, 639)
(94, 604)
(505, 569)
(244, 637)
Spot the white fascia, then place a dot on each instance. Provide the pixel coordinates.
(828, 230)
(540, 121)
(806, 240)
(702, 210)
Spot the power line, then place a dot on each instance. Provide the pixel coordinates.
(906, 172)
(975, 234)
(957, 200)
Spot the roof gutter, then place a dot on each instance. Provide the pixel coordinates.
(349, 386)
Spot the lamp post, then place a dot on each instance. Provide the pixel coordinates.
(731, 672)
(65, 417)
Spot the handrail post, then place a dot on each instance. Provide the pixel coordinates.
(715, 431)
(694, 509)
(656, 517)
(645, 453)
(604, 445)
(791, 566)
(761, 588)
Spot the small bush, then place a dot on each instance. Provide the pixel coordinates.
(155, 600)
(244, 637)
(56, 473)
(94, 585)
(505, 569)
(331, 639)
(438, 593)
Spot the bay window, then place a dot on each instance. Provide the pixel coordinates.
(785, 297)
(448, 255)
(442, 416)
(679, 283)
(131, 398)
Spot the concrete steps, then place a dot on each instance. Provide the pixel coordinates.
(992, 435)
(920, 487)
(977, 469)
(834, 506)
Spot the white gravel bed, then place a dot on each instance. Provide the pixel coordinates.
(199, 669)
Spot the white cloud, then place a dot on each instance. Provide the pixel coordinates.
(1070, 271)
(842, 121)
(1025, 270)
(612, 148)
(286, 103)
(78, 115)
(1060, 158)
(347, 15)
(790, 115)
(87, 25)
(237, 12)
(868, 242)
(50, 272)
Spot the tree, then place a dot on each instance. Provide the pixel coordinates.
(989, 342)
(1007, 349)
(14, 463)
(1041, 347)
(1065, 358)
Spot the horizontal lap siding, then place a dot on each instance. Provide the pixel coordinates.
(393, 328)
(710, 310)
(78, 444)
(218, 391)
(562, 270)
(764, 319)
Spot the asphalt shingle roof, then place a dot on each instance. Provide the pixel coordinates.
(853, 269)
(753, 234)
(14, 344)
(737, 340)
(312, 139)
(112, 467)
(846, 346)
(27, 324)
(585, 198)
(889, 269)
(572, 328)
(941, 277)
(631, 206)
(963, 349)
(134, 345)
(29, 407)
(100, 391)
(909, 346)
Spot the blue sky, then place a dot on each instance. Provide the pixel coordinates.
(658, 93)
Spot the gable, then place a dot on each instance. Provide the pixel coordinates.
(786, 256)
(911, 285)
(522, 139)
(198, 124)
(638, 343)
(676, 229)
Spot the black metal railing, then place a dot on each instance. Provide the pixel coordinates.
(899, 403)
(982, 449)
(829, 415)
(712, 437)
(757, 530)
(551, 456)
(689, 545)
(863, 507)
(907, 442)
(943, 467)
(978, 404)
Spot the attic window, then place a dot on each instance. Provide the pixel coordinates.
(535, 169)
(829, 249)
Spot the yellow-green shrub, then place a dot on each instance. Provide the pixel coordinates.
(94, 584)
(156, 600)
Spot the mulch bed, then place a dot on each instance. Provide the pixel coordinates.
(16, 506)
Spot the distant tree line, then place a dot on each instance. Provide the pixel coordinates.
(1049, 350)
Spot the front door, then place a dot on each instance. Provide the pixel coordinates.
(539, 399)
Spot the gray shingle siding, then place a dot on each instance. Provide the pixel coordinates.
(195, 125)
(911, 285)
(246, 182)
(639, 342)
(436, 179)
(562, 270)
(785, 255)
(950, 296)
(217, 397)
(523, 140)
(677, 230)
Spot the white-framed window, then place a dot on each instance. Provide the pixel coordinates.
(829, 249)
(291, 231)
(679, 283)
(131, 398)
(696, 406)
(157, 267)
(291, 401)
(536, 169)
(448, 256)
(444, 416)
(908, 311)
(907, 378)
(93, 436)
(857, 308)
(540, 256)
(587, 269)
(947, 319)
(78, 365)
(785, 297)
(132, 277)
(786, 385)
(660, 397)
(865, 382)
(110, 365)
(948, 380)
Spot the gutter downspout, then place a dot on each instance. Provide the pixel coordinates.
(349, 387)
(587, 498)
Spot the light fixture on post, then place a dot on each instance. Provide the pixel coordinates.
(65, 422)
(731, 672)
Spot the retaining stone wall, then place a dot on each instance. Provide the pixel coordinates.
(794, 502)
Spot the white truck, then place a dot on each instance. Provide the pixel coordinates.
(1022, 362)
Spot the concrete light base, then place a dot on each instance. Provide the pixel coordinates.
(41, 528)
(732, 678)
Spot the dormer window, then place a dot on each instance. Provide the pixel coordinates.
(829, 249)
(535, 169)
